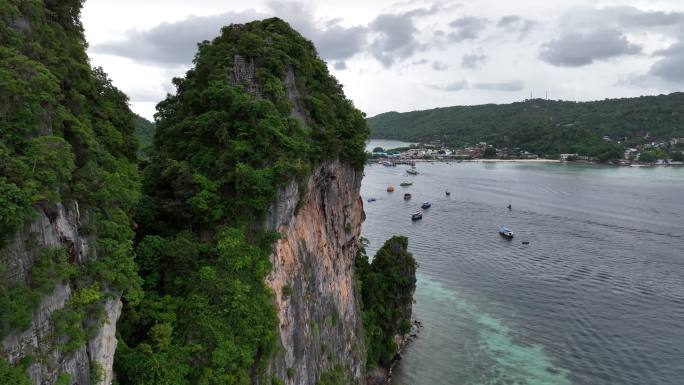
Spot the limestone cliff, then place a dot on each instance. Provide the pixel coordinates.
(57, 226)
(313, 276)
(68, 182)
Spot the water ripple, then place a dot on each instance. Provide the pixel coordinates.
(597, 297)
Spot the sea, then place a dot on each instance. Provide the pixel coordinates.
(595, 298)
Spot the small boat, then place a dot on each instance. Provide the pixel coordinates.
(525, 242)
(426, 205)
(390, 189)
(505, 231)
(407, 196)
(406, 183)
(412, 171)
(416, 216)
(447, 193)
(371, 199)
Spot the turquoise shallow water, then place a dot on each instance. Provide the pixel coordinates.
(597, 297)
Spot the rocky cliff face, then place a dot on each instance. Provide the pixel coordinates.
(313, 279)
(56, 226)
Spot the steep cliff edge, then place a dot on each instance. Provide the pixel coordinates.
(43, 340)
(67, 183)
(248, 227)
(250, 222)
(313, 277)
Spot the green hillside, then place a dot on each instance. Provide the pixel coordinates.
(144, 131)
(541, 126)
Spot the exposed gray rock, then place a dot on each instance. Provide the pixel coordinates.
(102, 347)
(243, 72)
(293, 94)
(320, 320)
(56, 226)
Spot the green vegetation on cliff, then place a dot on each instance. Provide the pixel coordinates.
(144, 132)
(542, 126)
(66, 136)
(386, 287)
(221, 150)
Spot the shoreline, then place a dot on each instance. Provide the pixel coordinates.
(513, 160)
(404, 161)
(410, 161)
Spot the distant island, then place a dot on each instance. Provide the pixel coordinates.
(646, 129)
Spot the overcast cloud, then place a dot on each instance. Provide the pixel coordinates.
(414, 54)
(580, 49)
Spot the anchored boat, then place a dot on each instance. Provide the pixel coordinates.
(426, 205)
(417, 216)
(412, 171)
(406, 183)
(371, 199)
(407, 196)
(505, 232)
(390, 189)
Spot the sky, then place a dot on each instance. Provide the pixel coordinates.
(405, 55)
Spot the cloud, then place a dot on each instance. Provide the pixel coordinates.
(455, 86)
(395, 38)
(467, 28)
(420, 62)
(439, 66)
(176, 43)
(333, 41)
(671, 65)
(340, 65)
(634, 17)
(516, 85)
(515, 23)
(173, 43)
(461, 85)
(473, 61)
(580, 49)
(338, 42)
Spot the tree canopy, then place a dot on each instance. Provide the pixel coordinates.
(544, 127)
(221, 150)
(66, 136)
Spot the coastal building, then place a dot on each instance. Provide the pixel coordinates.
(631, 153)
(567, 157)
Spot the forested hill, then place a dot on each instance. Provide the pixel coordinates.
(538, 125)
(257, 112)
(144, 131)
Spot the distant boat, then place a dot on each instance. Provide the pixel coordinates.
(406, 183)
(416, 216)
(447, 193)
(426, 205)
(412, 171)
(407, 196)
(390, 189)
(371, 199)
(505, 231)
